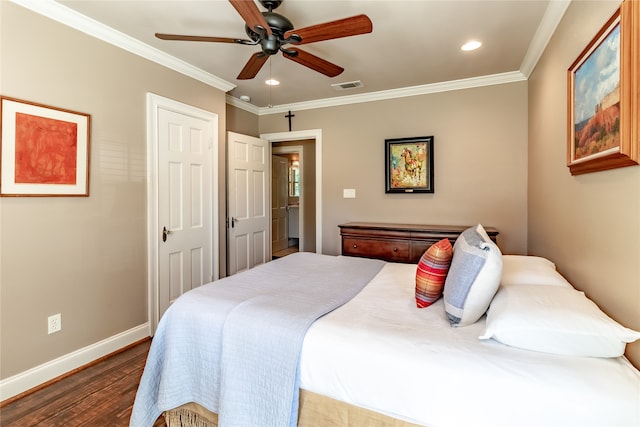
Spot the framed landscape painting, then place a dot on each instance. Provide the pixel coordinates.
(45, 150)
(603, 97)
(409, 165)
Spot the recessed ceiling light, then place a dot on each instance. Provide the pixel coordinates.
(471, 45)
(272, 82)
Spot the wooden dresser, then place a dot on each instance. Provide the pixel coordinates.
(397, 242)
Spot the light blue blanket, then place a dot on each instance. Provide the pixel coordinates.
(233, 346)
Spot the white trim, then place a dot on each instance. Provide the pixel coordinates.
(154, 103)
(33, 377)
(152, 212)
(235, 102)
(296, 136)
(552, 17)
(80, 22)
(58, 12)
(494, 79)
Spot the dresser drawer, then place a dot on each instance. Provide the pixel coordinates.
(397, 242)
(419, 247)
(390, 250)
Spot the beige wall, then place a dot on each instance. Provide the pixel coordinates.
(82, 257)
(589, 225)
(480, 160)
(242, 121)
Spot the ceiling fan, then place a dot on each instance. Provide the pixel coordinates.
(273, 32)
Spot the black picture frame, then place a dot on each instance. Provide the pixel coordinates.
(409, 165)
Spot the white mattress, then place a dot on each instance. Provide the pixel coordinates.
(382, 353)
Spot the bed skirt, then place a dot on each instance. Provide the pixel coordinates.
(315, 410)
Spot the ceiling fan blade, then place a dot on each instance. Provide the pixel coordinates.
(315, 63)
(199, 38)
(353, 26)
(251, 15)
(252, 66)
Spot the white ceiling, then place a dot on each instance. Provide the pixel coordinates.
(414, 44)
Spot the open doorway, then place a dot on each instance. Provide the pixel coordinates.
(310, 203)
(288, 201)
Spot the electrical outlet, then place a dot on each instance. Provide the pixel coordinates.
(54, 323)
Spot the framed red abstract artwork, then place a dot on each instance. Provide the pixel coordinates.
(45, 150)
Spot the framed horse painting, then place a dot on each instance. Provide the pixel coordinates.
(409, 165)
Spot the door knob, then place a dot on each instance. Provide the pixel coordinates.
(165, 232)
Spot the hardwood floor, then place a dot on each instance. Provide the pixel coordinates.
(288, 251)
(99, 395)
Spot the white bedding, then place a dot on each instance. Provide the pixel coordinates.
(417, 368)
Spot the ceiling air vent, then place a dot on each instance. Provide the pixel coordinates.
(347, 85)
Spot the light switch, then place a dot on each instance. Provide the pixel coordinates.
(349, 193)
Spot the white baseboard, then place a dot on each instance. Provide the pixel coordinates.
(33, 377)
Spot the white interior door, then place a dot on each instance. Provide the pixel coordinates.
(279, 203)
(249, 188)
(185, 250)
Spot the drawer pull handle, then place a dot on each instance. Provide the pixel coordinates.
(395, 249)
(355, 246)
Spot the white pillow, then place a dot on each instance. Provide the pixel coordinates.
(554, 319)
(473, 278)
(530, 270)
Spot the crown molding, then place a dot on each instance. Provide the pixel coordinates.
(550, 21)
(58, 12)
(493, 79)
(236, 102)
(73, 19)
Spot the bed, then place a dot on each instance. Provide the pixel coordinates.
(377, 359)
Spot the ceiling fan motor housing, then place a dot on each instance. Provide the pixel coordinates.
(273, 32)
(279, 25)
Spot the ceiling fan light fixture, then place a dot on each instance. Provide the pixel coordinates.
(471, 45)
(272, 82)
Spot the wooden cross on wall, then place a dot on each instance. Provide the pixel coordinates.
(290, 116)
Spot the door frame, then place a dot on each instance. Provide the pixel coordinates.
(287, 150)
(300, 135)
(154, 104)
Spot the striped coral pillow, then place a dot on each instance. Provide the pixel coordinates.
(432, 271)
